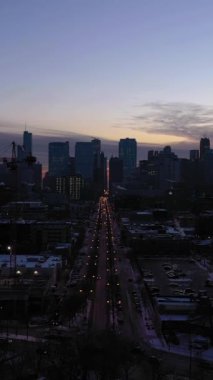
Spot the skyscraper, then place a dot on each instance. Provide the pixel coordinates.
(103, 172)
(91, 164)
(58, 159)
(115, 171)
(25, 150)
(27, 143)
(168, 168)
(128, 154)
(84, 160)
(204, 146)
(96, 148)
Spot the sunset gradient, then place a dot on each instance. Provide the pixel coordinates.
(108, 69)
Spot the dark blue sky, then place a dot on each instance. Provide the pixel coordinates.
(108, 68)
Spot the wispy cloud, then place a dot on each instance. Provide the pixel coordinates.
(187, 120)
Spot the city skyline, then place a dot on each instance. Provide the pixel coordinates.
(110, 148)
(108, 69)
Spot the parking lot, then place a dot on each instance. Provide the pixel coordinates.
(175, 276)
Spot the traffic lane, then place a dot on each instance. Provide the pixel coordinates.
(133, 323)
(100, 315)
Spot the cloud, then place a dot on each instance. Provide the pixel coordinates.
(188, 120)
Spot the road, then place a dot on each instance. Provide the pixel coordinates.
(112, 307)
(117, 297)
(100, 315)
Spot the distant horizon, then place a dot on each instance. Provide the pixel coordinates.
(109, 147)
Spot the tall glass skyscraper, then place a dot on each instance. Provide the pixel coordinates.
(27, 143)
(84, 159)
(204, 146)
(128, 154)
(58, 159)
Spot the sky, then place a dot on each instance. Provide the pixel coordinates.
(108, 68)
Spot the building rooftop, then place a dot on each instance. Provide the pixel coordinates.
(31, 261)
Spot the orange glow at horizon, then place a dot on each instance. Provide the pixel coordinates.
(147, 138)
(104, 131)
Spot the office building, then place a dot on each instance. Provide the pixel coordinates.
(206, 168)
(103, 173)
(115, 171)
(25, 150)
(128, 154)
(27, 143)
(76, 184)
(84, 160)
(96, 146)
(204, 146)
(71, 186)
(168, 168)
(58, 159)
